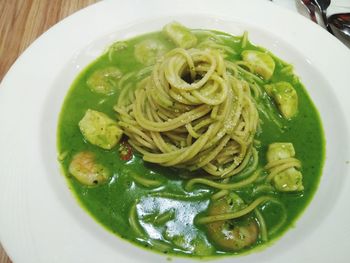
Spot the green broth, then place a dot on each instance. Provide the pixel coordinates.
(110, 203)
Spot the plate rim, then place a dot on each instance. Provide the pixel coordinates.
(100, 6)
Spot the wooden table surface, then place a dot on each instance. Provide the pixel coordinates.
(21, 22)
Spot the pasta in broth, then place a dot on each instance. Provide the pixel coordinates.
(208, 124)
(206, 127)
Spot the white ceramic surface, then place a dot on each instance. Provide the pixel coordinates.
(40, 220)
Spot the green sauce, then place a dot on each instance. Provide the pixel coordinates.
(110, 203)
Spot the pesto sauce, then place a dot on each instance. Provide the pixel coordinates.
(110, 203)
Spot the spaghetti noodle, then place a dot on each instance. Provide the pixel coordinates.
(192, 112)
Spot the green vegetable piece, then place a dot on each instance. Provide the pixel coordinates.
(104, 81)
(280, 150)
(290, 180)
(202, 247)
(180, 35)
(84, 168)
(180, 241)
(100, 130)
(261, 63)
(163, 218)
(285, 97)
(148, 51)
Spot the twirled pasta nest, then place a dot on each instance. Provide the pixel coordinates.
(191, 112)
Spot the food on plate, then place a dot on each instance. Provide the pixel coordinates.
(100, 130)
(86, 170)
(191, 142)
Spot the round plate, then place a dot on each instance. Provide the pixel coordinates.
(41, 221)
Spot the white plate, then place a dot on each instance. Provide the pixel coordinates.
(40, 220)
